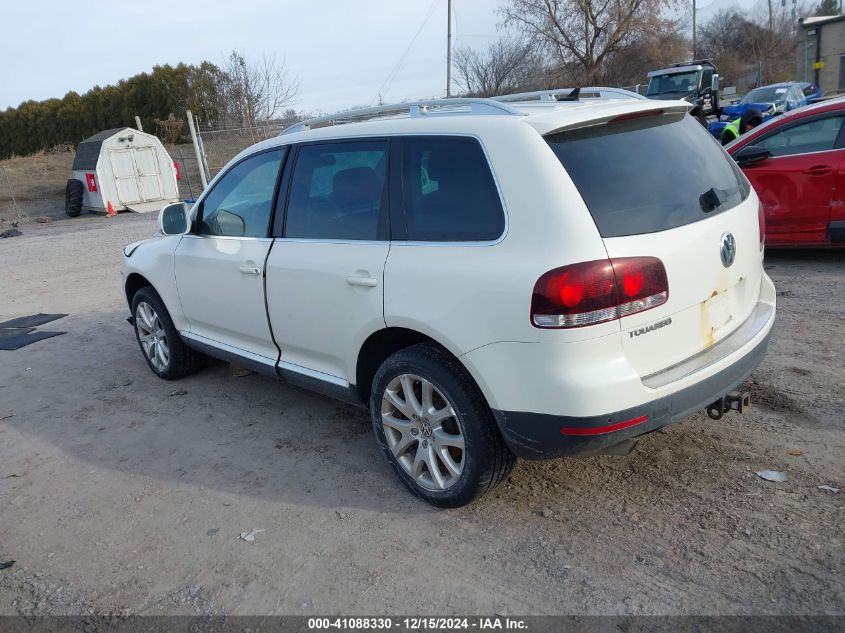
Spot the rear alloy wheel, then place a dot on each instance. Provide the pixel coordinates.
(435, 428)
(423, 432)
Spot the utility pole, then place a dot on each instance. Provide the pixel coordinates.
(693, 29)
(449, 49)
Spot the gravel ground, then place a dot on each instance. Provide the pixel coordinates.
(123, 493)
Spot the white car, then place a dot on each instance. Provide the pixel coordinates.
(490, 280)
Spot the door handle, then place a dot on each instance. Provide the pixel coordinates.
(367, 282)
(818, 170)
(250, 270)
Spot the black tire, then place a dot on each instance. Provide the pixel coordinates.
(182, 360)
(73, 197)
(487, 461)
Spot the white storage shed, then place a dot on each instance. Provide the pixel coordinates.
(128, 168)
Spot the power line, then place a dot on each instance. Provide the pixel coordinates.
(395, 71)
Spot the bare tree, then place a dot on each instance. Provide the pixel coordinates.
(629, 65)
(750, 50)
(255, 93)
(507, 65)
(773, 44)
(581, 35)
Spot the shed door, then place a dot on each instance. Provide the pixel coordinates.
(148, 174)
(125, 175)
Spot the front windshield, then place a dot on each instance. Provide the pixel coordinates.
(674, 83)
(769, 94)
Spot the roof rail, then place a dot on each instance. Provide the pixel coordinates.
(559, 94)
(426, 107)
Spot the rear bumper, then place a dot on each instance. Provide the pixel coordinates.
(666, 397)
(539, 436)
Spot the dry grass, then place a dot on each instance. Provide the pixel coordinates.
(37, 183)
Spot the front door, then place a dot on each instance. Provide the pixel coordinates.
(325, 291)
(125, 175)
(149, 179)
(220, 265)
(796, 186)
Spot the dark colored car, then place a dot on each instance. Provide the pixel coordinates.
(796, 163)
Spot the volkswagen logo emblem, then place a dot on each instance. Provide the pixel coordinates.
(727, 250)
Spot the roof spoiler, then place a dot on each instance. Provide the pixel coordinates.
(658, 108)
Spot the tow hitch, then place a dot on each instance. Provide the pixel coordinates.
(732, 401)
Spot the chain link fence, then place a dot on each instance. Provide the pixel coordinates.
(222, 145)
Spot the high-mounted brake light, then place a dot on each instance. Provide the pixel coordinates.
(598, 291)
(761, 222)
(636, 115)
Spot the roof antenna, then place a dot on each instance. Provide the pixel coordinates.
(572, 96)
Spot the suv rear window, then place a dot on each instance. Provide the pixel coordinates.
(649, 173)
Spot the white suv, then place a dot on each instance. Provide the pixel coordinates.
(490, 279)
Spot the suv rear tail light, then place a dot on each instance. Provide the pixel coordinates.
(598, 291)
(761, 222)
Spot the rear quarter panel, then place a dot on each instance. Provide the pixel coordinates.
(469, 295)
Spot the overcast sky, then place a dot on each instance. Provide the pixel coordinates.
(343, 51)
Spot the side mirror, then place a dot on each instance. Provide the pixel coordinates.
(174, 219)
(714, 83)
(751, 154)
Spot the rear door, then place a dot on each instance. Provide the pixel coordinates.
(797, 186)
(325, 272)
(657, 184)
(125, 175)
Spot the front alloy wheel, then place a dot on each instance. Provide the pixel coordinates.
(152, 336)
(423, 432)
(159, 339)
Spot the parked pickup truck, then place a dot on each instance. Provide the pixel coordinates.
(491, 279)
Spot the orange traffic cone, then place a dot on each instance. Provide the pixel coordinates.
(110, 210)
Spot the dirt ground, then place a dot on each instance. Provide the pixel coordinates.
(119, 493)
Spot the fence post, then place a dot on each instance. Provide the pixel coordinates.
(197, 151)
(187, 177)
(11, 192)
(202, 149)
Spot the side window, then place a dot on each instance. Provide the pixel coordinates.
(813, 136)
(338, 192)
(706, 78)
(241, 201)
(449, 192)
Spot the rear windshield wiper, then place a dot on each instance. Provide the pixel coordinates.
(714, 198)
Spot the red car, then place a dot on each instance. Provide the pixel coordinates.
(796, 163)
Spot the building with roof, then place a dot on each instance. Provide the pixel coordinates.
(821, 52)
